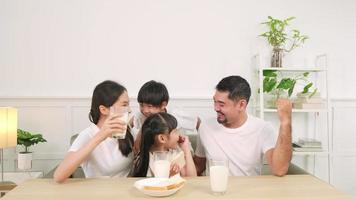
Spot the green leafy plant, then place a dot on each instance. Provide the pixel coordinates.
(28, 139)
(278, 37)
(275, 83)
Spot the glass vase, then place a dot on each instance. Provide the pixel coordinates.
(277, 57)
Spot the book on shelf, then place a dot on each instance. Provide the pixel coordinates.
(298, 148)
(307, 95)
(309, 105)
(307, 149)
(303, 101)
(309, 100)
(309, 142)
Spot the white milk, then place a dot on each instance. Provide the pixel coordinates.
(218, 178)
(124, 118)
(161, 168)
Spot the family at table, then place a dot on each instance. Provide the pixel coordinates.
(115, 145)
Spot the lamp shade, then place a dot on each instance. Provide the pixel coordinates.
(8, 127)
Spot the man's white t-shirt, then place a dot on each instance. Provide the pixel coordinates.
(106, 159)
(244, 147)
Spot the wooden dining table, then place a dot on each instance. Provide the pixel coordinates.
(196, 188)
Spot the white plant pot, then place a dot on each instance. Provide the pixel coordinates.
(24, 161)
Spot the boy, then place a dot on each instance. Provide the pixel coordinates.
(153, 98)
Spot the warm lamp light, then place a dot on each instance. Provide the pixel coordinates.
(8, 132)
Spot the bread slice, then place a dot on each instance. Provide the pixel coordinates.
(167, 187)
(169, 184)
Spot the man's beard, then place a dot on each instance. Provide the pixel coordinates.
(221, 121)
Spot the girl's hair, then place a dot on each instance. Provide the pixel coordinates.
(160, 123)
(106, 94)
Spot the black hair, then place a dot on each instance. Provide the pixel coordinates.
(154, 93)
(107, 93)
(154, 125)
(237, 87)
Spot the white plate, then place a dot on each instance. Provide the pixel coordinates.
(140, 184)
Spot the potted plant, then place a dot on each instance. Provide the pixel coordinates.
(281, 40)
(279, 85)
(27, 139)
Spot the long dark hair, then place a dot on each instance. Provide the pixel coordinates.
(107, 93)
(154, 125)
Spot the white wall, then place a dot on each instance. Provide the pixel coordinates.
(64, 48)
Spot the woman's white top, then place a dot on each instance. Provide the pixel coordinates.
(106, 160)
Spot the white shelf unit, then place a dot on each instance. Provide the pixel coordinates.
(319, 70)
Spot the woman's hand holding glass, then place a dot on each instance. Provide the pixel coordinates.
(122, 113)
(112, 125)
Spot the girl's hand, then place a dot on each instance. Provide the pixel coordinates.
(112, 125)
(174, 170)
(184, 142)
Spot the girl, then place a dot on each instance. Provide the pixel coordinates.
(94, 149)
(159, 134)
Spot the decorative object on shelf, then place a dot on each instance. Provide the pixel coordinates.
(8, 126)
(307, 144)
(305, 101)
(279, 85)
(26, 139)
(280, 40)
(277, 56)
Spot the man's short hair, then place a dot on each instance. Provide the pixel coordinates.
(237, 87)
(154, 93)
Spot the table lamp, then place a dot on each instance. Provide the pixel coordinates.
(8, 133)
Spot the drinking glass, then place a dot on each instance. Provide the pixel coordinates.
(123, 112)
(219, 172)
(161, 164)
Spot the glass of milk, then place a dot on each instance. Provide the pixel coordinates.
(161, 164)
(219, 172)
(123, 113)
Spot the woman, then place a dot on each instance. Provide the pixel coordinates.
(98, 153)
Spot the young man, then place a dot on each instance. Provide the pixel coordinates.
(153, 98)
(240, 138)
